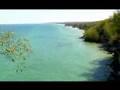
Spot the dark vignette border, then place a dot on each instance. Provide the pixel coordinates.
(60, 4)
(62, 85)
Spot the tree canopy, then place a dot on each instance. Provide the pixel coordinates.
(14, 48)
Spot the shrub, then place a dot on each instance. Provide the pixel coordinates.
(91, 34)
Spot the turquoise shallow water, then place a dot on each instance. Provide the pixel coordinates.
(58, 55)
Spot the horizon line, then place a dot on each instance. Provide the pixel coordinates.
(57, 22)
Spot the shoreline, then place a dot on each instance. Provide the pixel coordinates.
(113, 65)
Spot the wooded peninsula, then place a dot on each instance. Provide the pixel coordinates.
(107, 33)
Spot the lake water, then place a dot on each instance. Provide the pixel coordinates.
(58, 54)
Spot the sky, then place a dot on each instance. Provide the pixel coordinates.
(52, 15)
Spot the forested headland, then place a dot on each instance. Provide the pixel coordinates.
(106, 32)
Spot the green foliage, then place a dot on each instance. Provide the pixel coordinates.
(116, 27)
(13, 48)
(116, 22)
(92, 35)
(109, 28)
(115, 39)
(107, 32)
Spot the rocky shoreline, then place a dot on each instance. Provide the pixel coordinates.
(80, 25)
(115, 64)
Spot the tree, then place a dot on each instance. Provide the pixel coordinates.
(15, 49)
(92, 35)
